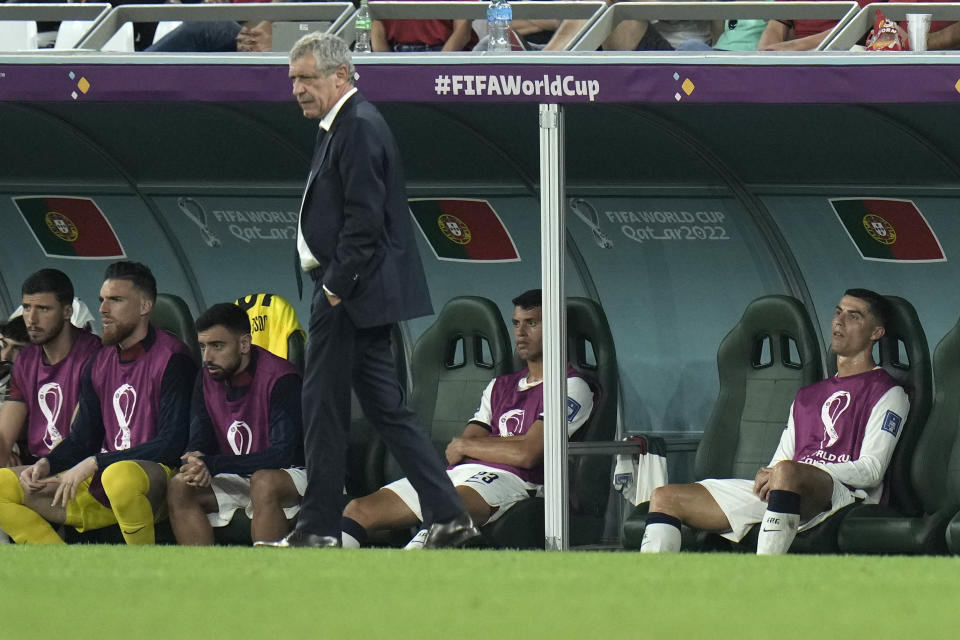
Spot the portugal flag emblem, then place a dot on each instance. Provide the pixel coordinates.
(69, 227)
(888, 230)
(464, 230)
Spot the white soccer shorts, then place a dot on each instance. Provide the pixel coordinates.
(498, 488)
(233, 492)
(744, 509)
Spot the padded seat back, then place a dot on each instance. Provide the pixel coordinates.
(590, 349)
(904, 354)
(172, 314)
(452, 363)
(934, 472)
(766, 358)
(275, 327)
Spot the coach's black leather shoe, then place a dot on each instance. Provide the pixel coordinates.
(302, 539)
(451, 534)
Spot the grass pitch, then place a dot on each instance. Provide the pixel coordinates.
(102, 592)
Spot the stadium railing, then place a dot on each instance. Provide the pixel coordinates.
(843, 12)
(336, 13)
(92, 12)
(861, 23)
(552, 10)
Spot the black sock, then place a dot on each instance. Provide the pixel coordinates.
(353, 528)
(656, 517)
(781, 501)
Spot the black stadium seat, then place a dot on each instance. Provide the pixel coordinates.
(904, 354)
(934, 480)
(766, 358)
(172, 314)
(452, 363)
(590, 348)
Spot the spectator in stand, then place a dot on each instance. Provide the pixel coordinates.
(738, 35)
(644, 35)
(422, 35)
(806, 35)
(535, 34)
(222, 36)
(47, 31)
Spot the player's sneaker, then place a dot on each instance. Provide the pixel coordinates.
(417, 541)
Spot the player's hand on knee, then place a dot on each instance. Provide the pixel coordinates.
(70, 480)
(33, 477)
(761, 483)
(454, 452)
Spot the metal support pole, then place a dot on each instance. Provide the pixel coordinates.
(556, 517)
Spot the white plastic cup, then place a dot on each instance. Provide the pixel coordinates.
(918, 26)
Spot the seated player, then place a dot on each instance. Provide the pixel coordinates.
(840, 436)
(132, 424)
(13, 338)
(45, 381)
(81, 318)
(498, 459)
(246, 436)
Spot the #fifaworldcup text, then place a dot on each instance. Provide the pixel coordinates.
(514, 85)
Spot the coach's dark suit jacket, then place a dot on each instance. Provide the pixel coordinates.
(356, 220)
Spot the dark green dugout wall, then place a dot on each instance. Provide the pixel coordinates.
(703, 208)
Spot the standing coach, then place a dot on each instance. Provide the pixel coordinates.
(356, 243)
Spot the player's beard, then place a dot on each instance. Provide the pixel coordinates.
(223, 373)
(43, 338)
(116, 332)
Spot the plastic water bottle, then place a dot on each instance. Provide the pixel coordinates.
(363, 25)
(499, 16)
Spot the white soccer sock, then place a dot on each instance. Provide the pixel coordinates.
(417, 541)
(4, 538)
(777, 531)
(347, 541)
(660, 537)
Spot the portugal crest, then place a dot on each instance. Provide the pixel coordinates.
(61, 226)
(455, 229)
(879, 229)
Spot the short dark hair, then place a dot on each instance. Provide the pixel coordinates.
(16, 330)
(225, 314)
(49, 281)
(880, 307)
(137, 273)
(531, 299)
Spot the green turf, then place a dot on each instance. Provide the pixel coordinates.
(171, 592)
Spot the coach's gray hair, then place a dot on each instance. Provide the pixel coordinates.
(328, 50)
